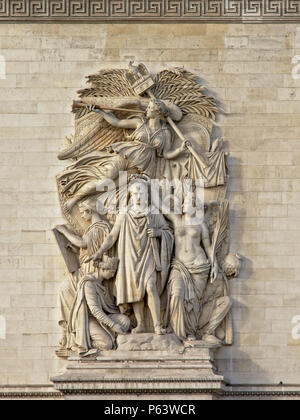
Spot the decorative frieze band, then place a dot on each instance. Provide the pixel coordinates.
(151, 10)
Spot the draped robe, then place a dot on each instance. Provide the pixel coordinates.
(137, 263)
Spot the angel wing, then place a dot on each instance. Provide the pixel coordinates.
(177, 86)
(184, 90)
(92, 132)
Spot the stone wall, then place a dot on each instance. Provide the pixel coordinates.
(249, 69)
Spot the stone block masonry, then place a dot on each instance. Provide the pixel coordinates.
(250, 70)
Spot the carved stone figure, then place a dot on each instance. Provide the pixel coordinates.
(145, 139)
(142, 269)
(84, 178)
(86, 245)
(95, 320)
(148, 127)
(150, 139)
(217, 304)
(191, 266)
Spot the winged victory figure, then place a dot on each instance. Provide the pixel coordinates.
(160, 127)
(153, 127)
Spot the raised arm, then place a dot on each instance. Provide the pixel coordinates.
(75, 239)
(162, 207)
(115, 122)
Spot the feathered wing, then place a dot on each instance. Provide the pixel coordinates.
(92, 132)
(199, 110)
(221, 247)
(184, 90)
(108, 83)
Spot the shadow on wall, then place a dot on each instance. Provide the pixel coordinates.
(241, 369)
(234, 362)
(236, 365)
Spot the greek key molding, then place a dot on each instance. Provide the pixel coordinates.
(151, 10)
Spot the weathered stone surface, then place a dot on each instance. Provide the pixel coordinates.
(142, 372)
(147, 342)
(274, 121)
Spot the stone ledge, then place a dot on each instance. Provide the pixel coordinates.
(29, 392)
(149, 342)
(142, 372)
(46, 392)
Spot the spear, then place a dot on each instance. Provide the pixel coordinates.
(142, 82)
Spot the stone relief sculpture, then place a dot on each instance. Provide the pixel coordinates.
(138, 265)
(191, 267)
(95, 319)
(82, 248)
(142, 269)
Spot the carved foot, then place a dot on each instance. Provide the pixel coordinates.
(139, 329)
(160, 331)
(191, 338)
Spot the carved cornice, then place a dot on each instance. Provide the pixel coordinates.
(221, 395)
(261, 11)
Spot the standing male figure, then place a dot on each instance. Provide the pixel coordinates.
(136, 232)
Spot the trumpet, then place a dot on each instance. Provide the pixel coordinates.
(79, 105)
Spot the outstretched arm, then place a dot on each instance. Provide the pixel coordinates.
(115, 122)
(109, 242)
(75, 239)
(97, 311)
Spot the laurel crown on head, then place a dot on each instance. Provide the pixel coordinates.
(109, 263)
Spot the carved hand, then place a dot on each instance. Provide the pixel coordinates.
(214, 273)
(93, 108)
(185, 145)
(154, 233)
(96, 258)
(118, 329)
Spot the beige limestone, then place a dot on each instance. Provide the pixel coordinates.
(249, 68)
